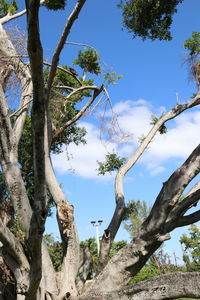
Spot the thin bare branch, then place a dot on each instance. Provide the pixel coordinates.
(80, 113)
(66, 71)
(74, 15)
(80, 44)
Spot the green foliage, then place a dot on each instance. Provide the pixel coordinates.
(113, 162)
(111, 78)
(193, 44)
(191, 248)
(55, 4)
(16, 229)
(141, 138)
(149, 18)
(92, 246)
(116, 246)
(55, 251)
(158, 264)
(7, 7)
(134, 215)
(154, 120)
(88, 61)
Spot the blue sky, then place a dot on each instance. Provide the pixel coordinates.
(153, 72)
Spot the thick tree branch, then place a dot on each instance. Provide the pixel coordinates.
(172, 191)
(113, 227)
(186, 220)
(38, 129)
(166, 287)
(74, 15)
(180, 209)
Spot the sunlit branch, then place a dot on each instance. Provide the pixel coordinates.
(9, 17)
(80, 44)
(187, 220)
(74, 15)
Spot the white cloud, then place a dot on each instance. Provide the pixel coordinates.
(179, 141)
(84, 157)
(134, 117)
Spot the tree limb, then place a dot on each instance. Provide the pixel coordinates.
(187, 220)
(9, 17)
(113, 227)
(66, 71)
(74, 15)
(81, 112)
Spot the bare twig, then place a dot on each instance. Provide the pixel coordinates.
(66, 71)
(79, 114)
(80, 44)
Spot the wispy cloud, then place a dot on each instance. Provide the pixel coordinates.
(133, 117)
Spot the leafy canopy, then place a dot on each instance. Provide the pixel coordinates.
(193, 44)
(8, 7)
(149, 18)
(134, 215)
(113, 162)
(88, 61)
(191, 248)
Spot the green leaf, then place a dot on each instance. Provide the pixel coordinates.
(88, 61)
(113, 162)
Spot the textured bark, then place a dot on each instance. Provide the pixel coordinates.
(84, 268)
(169, 286)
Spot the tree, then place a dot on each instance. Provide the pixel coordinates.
(191, 248)
(49, 97)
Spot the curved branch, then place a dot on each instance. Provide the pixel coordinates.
(187, 220)
(9, 17)
(166, 287)
(180, 209)
(119, 192)
(66, 71)
(12, 245)
(74, 15)
(80, 113)
(80, 44)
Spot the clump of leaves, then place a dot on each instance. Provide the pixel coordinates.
(134, 215)
(55, 4)
(113, 162)
(55, 251)
(154, 120)
(7, 7)
(88, 61)
(111, 78)
(16, 228)
(193, 44)
(149, 18)
(191, 249)
(141, 138)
